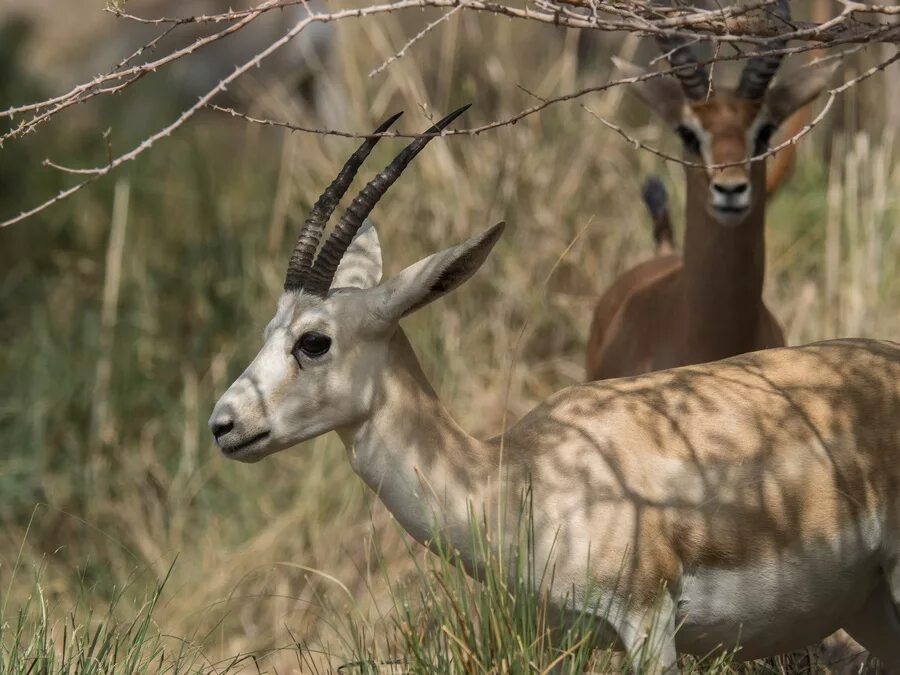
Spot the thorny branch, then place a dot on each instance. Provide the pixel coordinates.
(415, 38)
(829, 102)
(748, 22)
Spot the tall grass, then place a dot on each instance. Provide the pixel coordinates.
(121, 477)
(122, 639)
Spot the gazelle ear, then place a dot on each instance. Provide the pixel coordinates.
(797, 89)
(663, 93)
(432, 277)
(361, 265)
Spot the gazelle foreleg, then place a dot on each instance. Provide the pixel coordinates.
(876, 626)
(648, 635)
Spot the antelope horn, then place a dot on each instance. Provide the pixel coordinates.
(759, 71)
(301, 260)
(693, 76)
(683, 59)
(322, 273)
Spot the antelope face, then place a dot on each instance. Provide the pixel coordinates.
(726, 130)
(325, 351)
(314, 373)
(323, 360)
(726, 127)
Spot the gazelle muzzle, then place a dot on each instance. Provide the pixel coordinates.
(730, 200)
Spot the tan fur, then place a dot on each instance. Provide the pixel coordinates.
(726, 120)
(760, 458)
(752, 502)
(676, 311)
(608, 316)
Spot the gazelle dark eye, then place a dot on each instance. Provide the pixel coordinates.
(689, 139)
(312, 344)
(763, 136)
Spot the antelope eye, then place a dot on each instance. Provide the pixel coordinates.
(312, 344)
(689, 139)
(763, 136)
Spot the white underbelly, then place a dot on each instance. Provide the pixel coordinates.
(772, 606)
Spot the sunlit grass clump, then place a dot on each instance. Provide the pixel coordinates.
(45, 637)
(444, 621)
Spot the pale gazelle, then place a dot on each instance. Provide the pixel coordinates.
(676, 310)
(761, 493)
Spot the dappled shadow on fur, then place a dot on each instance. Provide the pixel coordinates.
(760, 490)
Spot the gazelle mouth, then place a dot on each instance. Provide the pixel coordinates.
(729, 215)
(243, 449)
(733, 210)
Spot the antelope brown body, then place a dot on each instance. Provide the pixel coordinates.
(707, 304)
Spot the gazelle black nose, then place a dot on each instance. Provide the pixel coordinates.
(221, 426)
(730, 189)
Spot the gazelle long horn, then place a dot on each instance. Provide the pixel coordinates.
(760, 70)
(683, 59)
(322, 273)
(693, 76)
(304, 252)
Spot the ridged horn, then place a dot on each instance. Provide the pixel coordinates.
(322, 273)
(694, 78)
(759, 71)
(304, 252)
(682, 58)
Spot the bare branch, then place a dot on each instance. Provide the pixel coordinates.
(418, 36)
(749, 22)
(547, 102)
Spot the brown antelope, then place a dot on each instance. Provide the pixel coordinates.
(750, 503)
(673, 310)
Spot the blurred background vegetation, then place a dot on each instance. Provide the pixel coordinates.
(127, 310)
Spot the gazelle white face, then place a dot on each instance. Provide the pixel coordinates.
(316, 369)
(325, 348)
(315, 373)
(323, 359)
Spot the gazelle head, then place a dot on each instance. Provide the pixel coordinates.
(326, 349)
(726, 127)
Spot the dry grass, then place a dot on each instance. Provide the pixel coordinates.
(295, 548)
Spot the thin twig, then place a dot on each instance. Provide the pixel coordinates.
(418, 36)
(726, 25)
(750, 23)
(134, 70)
(546, 102)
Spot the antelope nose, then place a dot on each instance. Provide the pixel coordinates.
(221, 426)
(730, 189)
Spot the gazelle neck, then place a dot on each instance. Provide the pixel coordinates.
(724, 268)
(411, 452)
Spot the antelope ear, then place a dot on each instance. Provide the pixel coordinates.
(662, 93)
(361, 265)
(798, 89)
(432, 277)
